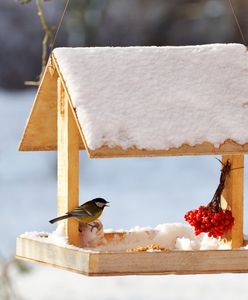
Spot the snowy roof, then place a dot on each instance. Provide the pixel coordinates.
(155, 100)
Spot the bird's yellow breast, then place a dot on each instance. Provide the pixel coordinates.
(89, 219)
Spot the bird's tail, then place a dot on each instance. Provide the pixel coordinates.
(59, 218)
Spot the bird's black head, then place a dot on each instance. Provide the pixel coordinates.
(100, 202)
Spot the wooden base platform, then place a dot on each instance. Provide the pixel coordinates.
(133, 263)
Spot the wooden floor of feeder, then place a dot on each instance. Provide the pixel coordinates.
(133, 263)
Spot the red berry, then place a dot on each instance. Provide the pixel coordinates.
(204, 219)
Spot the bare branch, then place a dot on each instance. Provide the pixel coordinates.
(47, 39)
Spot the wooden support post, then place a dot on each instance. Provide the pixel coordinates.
(232, 197)
(68, 163)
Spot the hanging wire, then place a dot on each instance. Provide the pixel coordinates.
(237, 22)
(59, 25)
(229, 1)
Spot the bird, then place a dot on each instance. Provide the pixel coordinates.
(85, 213)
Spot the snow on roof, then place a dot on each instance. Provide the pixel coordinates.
(158, 97)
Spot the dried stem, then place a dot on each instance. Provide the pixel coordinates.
(215, 203)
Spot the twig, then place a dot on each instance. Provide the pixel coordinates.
(215, 202)
(47, 39)
(6, 285)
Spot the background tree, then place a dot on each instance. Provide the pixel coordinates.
(108, 23)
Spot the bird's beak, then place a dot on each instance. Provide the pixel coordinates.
(107, 204)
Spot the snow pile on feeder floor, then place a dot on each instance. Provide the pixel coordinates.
(164, 237)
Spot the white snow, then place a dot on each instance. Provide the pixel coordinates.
(56, 237)
(174, 236)
(28, 184)
(158, 97)
(50, 284)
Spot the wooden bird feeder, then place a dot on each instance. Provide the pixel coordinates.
(58, 121)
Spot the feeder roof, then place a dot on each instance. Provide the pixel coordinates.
(147, 101)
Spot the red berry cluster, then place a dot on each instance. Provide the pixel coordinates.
(207, 219)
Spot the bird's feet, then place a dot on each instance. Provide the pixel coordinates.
(92, 226)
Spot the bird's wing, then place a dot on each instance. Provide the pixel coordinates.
(80, 212)
(88, 212)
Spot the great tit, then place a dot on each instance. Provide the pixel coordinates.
(85, 213)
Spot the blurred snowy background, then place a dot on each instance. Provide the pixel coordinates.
(142, 192)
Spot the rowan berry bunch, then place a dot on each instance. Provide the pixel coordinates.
(205, 219)
(212, 218)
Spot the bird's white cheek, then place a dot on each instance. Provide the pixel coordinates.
(99, 204)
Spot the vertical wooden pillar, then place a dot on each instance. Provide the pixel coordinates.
(68, 163)
(232, 197)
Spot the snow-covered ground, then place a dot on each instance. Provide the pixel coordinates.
(51, 284)
(144, 192)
